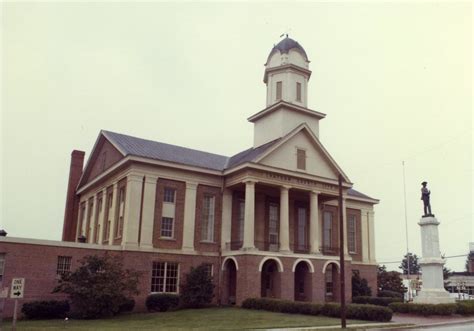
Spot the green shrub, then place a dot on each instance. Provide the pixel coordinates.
(363, 312)
(161, 301)
(198, 289)
(45, 309)
(389, 294)
(424, 309)
(375, 301)
(465, 308)
(127, 306)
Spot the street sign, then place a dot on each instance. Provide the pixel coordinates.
(4, 293)
(18, 287)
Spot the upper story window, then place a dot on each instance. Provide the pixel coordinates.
(241, 219)
(167, 227)
(64, 265)
(298, 92)
(279, 90)
(327, 229)
(108, 221)
(273, 225)
(301, 228)
(121, 211)
(300, 159)
(165, 277)
(169, 195)
(2, 266)
(351, 233)
(207, 226)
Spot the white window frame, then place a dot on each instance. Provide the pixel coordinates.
(172, 228)
(168, 197)
(329, 274)
(351, 233)
(327, 231)
(163, 290)
(208, 218)
(2, 266)
(273, 222)
(63, 262)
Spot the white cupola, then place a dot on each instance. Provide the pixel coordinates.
(286, 76)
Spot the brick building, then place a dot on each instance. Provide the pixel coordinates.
(265, 220)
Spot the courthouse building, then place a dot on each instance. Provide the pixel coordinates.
(264, 221)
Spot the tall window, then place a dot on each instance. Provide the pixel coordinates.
(207, 226)
(241, 219)
(351, 233)
(164, 277)
(327, 229)
(97, 216)
(298, 91)
(2, 266)
(169, 195)
(64, 265)
(301, 228)
(119, 229)
(279, 89)
(273, 225)
(328, 280)
(301, 159)
(108, 222)
(209, 269)
(167, 227)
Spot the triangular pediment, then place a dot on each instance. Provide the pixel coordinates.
(104, 155)
(318, 162)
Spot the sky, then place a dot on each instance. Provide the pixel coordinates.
(394, 78)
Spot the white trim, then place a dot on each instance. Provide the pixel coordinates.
(328, 263)
(311, 267)
(282, 103)
(227, 259)
(274, 258)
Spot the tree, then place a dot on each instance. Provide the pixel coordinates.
(198, 289)
(414, 267)
(470, 260)
(360, 286)
(99, 287)
(389, 280)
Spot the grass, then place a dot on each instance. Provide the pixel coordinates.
(196, 319)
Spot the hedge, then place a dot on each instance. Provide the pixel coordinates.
(465, 307)
(161, 301)
(127, 306)
(45, 309)
(389, 294)
(424, 309)
(354, 311)
(375, 301)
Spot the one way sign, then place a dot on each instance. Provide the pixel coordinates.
(18, 287)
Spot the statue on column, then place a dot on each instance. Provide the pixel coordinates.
(425, 196)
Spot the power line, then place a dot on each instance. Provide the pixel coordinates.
(446, 257)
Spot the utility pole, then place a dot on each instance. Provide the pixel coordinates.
(406, 231)
(341, 257)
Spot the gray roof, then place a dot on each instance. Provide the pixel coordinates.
(358, 194)
(285, 45)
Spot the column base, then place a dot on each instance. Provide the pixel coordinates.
(285, 251)
(249, 249)
(146, 246)
(188, 250)
(433, 296)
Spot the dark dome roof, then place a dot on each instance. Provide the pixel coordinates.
(285, 45)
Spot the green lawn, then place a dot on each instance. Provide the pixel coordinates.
(203, 319)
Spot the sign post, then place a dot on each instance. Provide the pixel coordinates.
(18, 287)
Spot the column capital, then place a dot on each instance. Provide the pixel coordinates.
(315, 192)
(151, 179)
(191, 185)
(285, 187)
(250, 181)
(134, 177)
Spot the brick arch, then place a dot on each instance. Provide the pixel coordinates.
(328, 263)
(308, 262)
(230, 258)
(274, 258)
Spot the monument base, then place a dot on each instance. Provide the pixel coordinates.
(433, 296)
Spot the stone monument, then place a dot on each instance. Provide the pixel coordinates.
(431, 262)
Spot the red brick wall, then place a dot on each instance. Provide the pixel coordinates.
(97, 163)
(368, 272)
(177, 241)
(199, 245)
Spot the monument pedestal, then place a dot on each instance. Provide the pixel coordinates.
(431, 264)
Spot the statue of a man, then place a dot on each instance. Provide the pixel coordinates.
(425, 196)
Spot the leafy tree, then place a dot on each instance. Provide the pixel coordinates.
(389, 280)
(414, 267)
(470, 259)
(360, 287)
(99, 287)
(198, 289)
(446, 272)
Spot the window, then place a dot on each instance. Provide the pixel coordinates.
(2, 266)
(169, 195)
(327, 229)
(164, 277)
(207, 230)
(209, 270)
(351, 233)
(119, 229)
(64, 265)
(273, 225)
(279, 88)
(328, 280)
(301, 228)
(241, 219)
(298, 91)
(167, 227)
(301, 159)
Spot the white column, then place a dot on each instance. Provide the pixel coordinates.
(78, 225)
(284, 219)
(90, 240)
(344, 215)
(148, 211)
(113, 214)
(102, 219)
(131, 219)
(189, 216)
(249, 219)
(364, 232)
(314, 229)
(82, 230)
(226, 219)
(371, 237)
